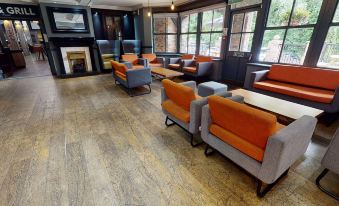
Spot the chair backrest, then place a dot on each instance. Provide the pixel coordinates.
(181, 95)
(250, 124)
(118, 67)
(150, 57)
(203, 59)
(187, 56)
(133, 58)
(308, 76)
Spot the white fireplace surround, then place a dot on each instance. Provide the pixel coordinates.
(64, 51)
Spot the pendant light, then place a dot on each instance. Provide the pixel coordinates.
(149, 13)
(172, 6)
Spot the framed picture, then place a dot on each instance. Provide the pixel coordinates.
(68, 20)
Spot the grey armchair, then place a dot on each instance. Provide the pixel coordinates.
(177, 63)
(331, 163)
(281, 148)
(200, 67)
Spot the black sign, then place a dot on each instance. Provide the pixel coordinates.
(17, 11)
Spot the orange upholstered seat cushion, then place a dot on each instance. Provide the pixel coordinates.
(314, 77)
(133, 58)
(177, 111)
(119, 67)
(190, 69)
(203, 59)
(187, 56)
(174, 66)
(250, 124)
(180, 94)
(151, 57)
(155, 65)
(121, 75)
(309, 93)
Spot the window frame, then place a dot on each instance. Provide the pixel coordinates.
(188, 32)
(165, 34)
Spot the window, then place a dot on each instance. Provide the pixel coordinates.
(165, 34)
(288, 31)
(211, 32)
(188, 36)
(330, 53)
(242, 32)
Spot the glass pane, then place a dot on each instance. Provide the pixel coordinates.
(296, 45)
(279, 14)
(218, 19)
(207, 21)
(336, 16)
(159, 43)
(171, 25)
(306, 12)
(330, 53)
(192, 39)
(205, 44)
(249, 22)
(193, 23)
(171, 43)
(215, 46)
(184, 24)
(271, 46)
(159, 25)
(234, 42)
(183, 43)
(237, 22)
(246, 42)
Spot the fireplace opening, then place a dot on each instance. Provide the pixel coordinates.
(77, 61)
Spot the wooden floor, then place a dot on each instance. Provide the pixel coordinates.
(84, 141)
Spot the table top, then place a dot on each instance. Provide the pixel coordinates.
(278, 106)
(166, 73)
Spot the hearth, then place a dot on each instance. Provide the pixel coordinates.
(77, 61)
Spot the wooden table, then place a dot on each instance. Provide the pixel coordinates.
(163, 73)
(285, 111)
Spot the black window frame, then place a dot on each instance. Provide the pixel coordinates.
(188, 33)
(165, 34)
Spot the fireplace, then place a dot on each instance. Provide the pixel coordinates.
(76, 59)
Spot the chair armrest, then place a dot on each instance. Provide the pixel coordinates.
(191, 84)
(330, 159)
(204, 68)
(188, 63)
(195, 114)
(258, 76)
(143, 62)
(138, 77)
(163, 95)
(285, 147)
(174, 60)
(206, 121)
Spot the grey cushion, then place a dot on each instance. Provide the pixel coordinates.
(210, 88)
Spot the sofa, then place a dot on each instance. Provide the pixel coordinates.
(154, 61)
(176, 63)
(254, 140)
(131, 77)
(314, 87)
(201, 66)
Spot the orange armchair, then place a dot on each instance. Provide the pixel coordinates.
(137, 63)
(200, 66)
(153, 60)
(176, 63)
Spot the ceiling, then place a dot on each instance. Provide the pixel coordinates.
(109, 4)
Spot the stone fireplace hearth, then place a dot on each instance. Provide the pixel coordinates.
(76, 59)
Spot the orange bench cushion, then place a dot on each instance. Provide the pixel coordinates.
(309, 93)
(180, 94)
(174, 66)
(307, 76)
(187, 56)
(252, 125)
(133, 58)
(177, 111)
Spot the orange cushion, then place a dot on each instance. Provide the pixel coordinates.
(314, 77)
(187, 56)
(155, 65)
(251, 124)
(115, 65)
(138, 66)
(203, 59)
(309, 93)
(151, 57)
(180, 94)
(119, 67)
(177, 111)
(190, 69)
(133, 58)
(174, 66)
(121, 75)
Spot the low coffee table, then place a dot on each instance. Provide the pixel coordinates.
(285, 111)
(162, 73)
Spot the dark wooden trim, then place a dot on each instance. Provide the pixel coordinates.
(197, 4)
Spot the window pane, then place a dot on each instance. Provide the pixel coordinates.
(171, 25)
(306, 12)
(249, 22)
(207, 21)
(296, 45)
(330, 53)
(159, 25)
(218, 19)
(271, 46)
(234, 42)
(159, 43)
(193, 23)
(183, 43)
(237, 22)
(205, 44)
(171, 43)
(184, 24)
(246, 42)
(192, 39)
(279, 13)
(336, 16)
(215, 46)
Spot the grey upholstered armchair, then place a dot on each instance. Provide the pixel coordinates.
(331, 163)
(201, 66)
(177, 63)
